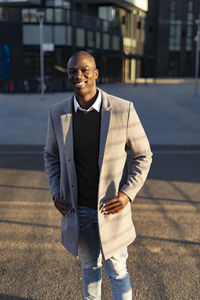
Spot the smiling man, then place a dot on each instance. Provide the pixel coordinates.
(91, 183)
(84, 86)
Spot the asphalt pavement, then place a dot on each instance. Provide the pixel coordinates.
(163, 261)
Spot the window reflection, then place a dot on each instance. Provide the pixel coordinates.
(58, 15)
(25, 15)
(49, 15)
(32, 15)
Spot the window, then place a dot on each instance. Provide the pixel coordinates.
(33, 16)
(172, 10)
(59, 35)
(3, 14)
(49, 2)
(190, 17)
(29, 15)
(115, 43)
(139, 25)
(127, 32)
(189, 29)
(68, 35)
(98, 40)
(106, 44)
(49, 15)
(90, 39)
(175, 35)
(80, 37)
(105, 26)
(31, 35)
(189, 39)
(134, 25)
(190, 6)
(58, 3)
(175, 29)
(25, 15)
(58, 15)
(68, 16)
(107, 13)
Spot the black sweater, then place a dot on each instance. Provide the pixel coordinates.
(86, 134)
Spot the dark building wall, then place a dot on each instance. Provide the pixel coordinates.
(163, 37)
(10, 34)
(152, 27)
(151, 38)
(171, 37)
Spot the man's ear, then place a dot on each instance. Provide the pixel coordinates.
(96, 73)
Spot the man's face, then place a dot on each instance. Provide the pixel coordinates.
(82, 74)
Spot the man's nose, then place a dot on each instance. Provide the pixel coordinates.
(78, 73)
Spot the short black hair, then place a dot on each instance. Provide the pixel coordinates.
(84, 53)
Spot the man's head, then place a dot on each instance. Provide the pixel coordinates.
(82, 74)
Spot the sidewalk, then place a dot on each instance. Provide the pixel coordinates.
(169, 111)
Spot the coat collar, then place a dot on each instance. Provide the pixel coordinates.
(68, 103)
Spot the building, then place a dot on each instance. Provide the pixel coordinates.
(171, 30)
(113, 31)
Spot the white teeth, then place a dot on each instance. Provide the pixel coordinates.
(80, 84)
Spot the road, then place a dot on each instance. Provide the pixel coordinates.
(163, 261)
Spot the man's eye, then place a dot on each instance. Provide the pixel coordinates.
(84, 70)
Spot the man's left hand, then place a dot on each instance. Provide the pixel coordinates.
(116, 204)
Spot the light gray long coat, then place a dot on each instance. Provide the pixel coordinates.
(120, 130)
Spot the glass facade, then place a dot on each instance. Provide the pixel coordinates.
(189, 30)
(59, 32)
(88, 31)
(181, 29)
(115, 43)
(22, 2)
(90, 39)
(175, 35)
(68, 35)
(70, 30)
(175, 29)
(80, 37)
(98, 40)
(106, 41)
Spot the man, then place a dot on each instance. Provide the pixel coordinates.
(88, 137)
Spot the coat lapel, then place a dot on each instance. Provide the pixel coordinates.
(105, 123)
(67, 132)
(67, 127)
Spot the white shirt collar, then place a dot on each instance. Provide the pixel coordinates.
(96, 105)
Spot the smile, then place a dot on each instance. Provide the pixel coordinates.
(80, 84)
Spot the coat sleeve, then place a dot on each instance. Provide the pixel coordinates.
(140, 152)
(52, 158)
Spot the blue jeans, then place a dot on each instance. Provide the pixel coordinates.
(91, 259)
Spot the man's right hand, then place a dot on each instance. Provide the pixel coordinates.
(64, 207)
